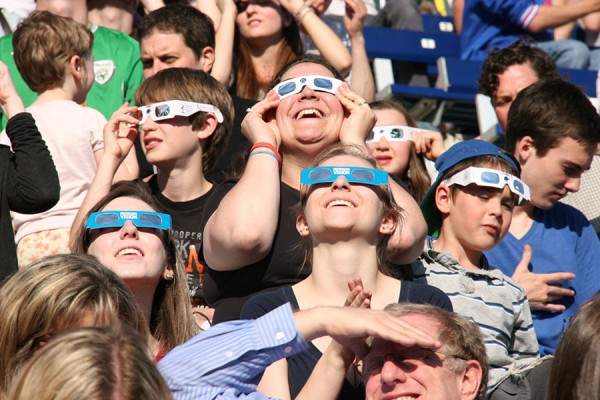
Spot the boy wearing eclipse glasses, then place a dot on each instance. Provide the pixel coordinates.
(468, 210)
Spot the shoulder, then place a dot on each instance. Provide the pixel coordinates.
(562, 217)
(108, 34)
(424, 294)
(262, 303)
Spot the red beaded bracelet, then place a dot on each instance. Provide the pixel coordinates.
(267, 146)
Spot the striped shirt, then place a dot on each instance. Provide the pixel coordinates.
(228, 360)
(490, 299)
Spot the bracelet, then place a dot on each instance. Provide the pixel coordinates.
(264, 152)
(267, 146)
(305, 9)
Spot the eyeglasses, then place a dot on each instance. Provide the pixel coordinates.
(352, 174)
(403, 358)
(315, 82)
(173, 108)
(393, 133)
(243, 5)
(141, 219)
(490, 178)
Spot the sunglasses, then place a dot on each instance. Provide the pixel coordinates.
(315, 82)
(393, 133)
(490, 178)
(352, 174)
(141, 219)
(176, 108)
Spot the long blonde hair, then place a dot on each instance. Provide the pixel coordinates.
(53, 294)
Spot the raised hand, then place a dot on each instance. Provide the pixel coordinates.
(120, 132)
(430, 144)
(359, 297)
(538, 287)
(257, 126)
(10, 101)
(360, 118)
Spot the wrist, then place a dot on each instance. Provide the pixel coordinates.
(13, 107)
(302, 13)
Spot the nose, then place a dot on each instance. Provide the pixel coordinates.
(308, 93)
(383, 143)
(340, 183)
(129, 230)
(391, 373)
(572, 184)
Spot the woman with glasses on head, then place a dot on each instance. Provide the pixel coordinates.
(346, 219)
(125, 231)
(250, 236)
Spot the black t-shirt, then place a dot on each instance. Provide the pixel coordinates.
(227, 291)
(301, 365)
(187, 234)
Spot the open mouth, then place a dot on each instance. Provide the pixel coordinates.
(340, 203)
(129, 251)
(309, 113)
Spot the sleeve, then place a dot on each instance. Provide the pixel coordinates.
(33, 184)
(516, 12)
(524, 344)
(230, 358)
(95, 125)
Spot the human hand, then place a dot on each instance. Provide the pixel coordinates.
(538, 288)
(359, 297)
(257, 126)
(120, 132)
(360, 118)
(430, 144)
(319, 5)
(354, 18)
(293, 6)
(10, 101)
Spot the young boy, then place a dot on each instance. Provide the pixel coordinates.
(468, 211)
(185, 117)
(54, 57)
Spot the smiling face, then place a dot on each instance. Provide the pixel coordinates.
(391, 156)
(309, 117)
(557, 173)
(162, 50)
(261, 20)
(340, 210)
(428, 379)
(134, 254)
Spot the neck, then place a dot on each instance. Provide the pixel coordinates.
(143, 293)
(469, 259)
(52, 95)
(183, 184)
(292, 166)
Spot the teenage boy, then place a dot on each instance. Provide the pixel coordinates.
(553, 131)
(181, 36)
(116, 61)
(185, 117)
(468, 209)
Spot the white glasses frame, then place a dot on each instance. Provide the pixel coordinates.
(489, 177)
(393, 133)
(173, 108)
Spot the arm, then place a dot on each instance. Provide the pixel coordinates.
(118, 141)
(241, 231)
(457, 15)
(327, 42)
(362, 77)
(556, 15)
(224, 37)
(32, 180)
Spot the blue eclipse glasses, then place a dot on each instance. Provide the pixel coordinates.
(141, 219)
(490, 178)
(315, 82)
(366, 176)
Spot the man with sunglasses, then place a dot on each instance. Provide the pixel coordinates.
(551, 249)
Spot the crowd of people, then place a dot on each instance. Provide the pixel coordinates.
(205, 200)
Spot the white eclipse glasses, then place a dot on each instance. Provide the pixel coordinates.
(315, 82)
(176, 108)
(393, 133)
(490, 178)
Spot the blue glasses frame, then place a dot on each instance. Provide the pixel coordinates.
(141, 219)
(366, 176)
(316, 82)
(490, 178)
(174, 108)
(393, 133)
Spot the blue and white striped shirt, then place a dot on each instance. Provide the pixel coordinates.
(228, 360)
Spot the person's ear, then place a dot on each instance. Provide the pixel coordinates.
(76, 67)
(206, 59)
(302, 226)
(524, 149)
(471, 380)
(208, 127)
(168, 274)
(443, 197)
(388, 225)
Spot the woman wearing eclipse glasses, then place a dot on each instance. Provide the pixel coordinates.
(346, 218)
(125, 231)
(250, 236)
(401, 149)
